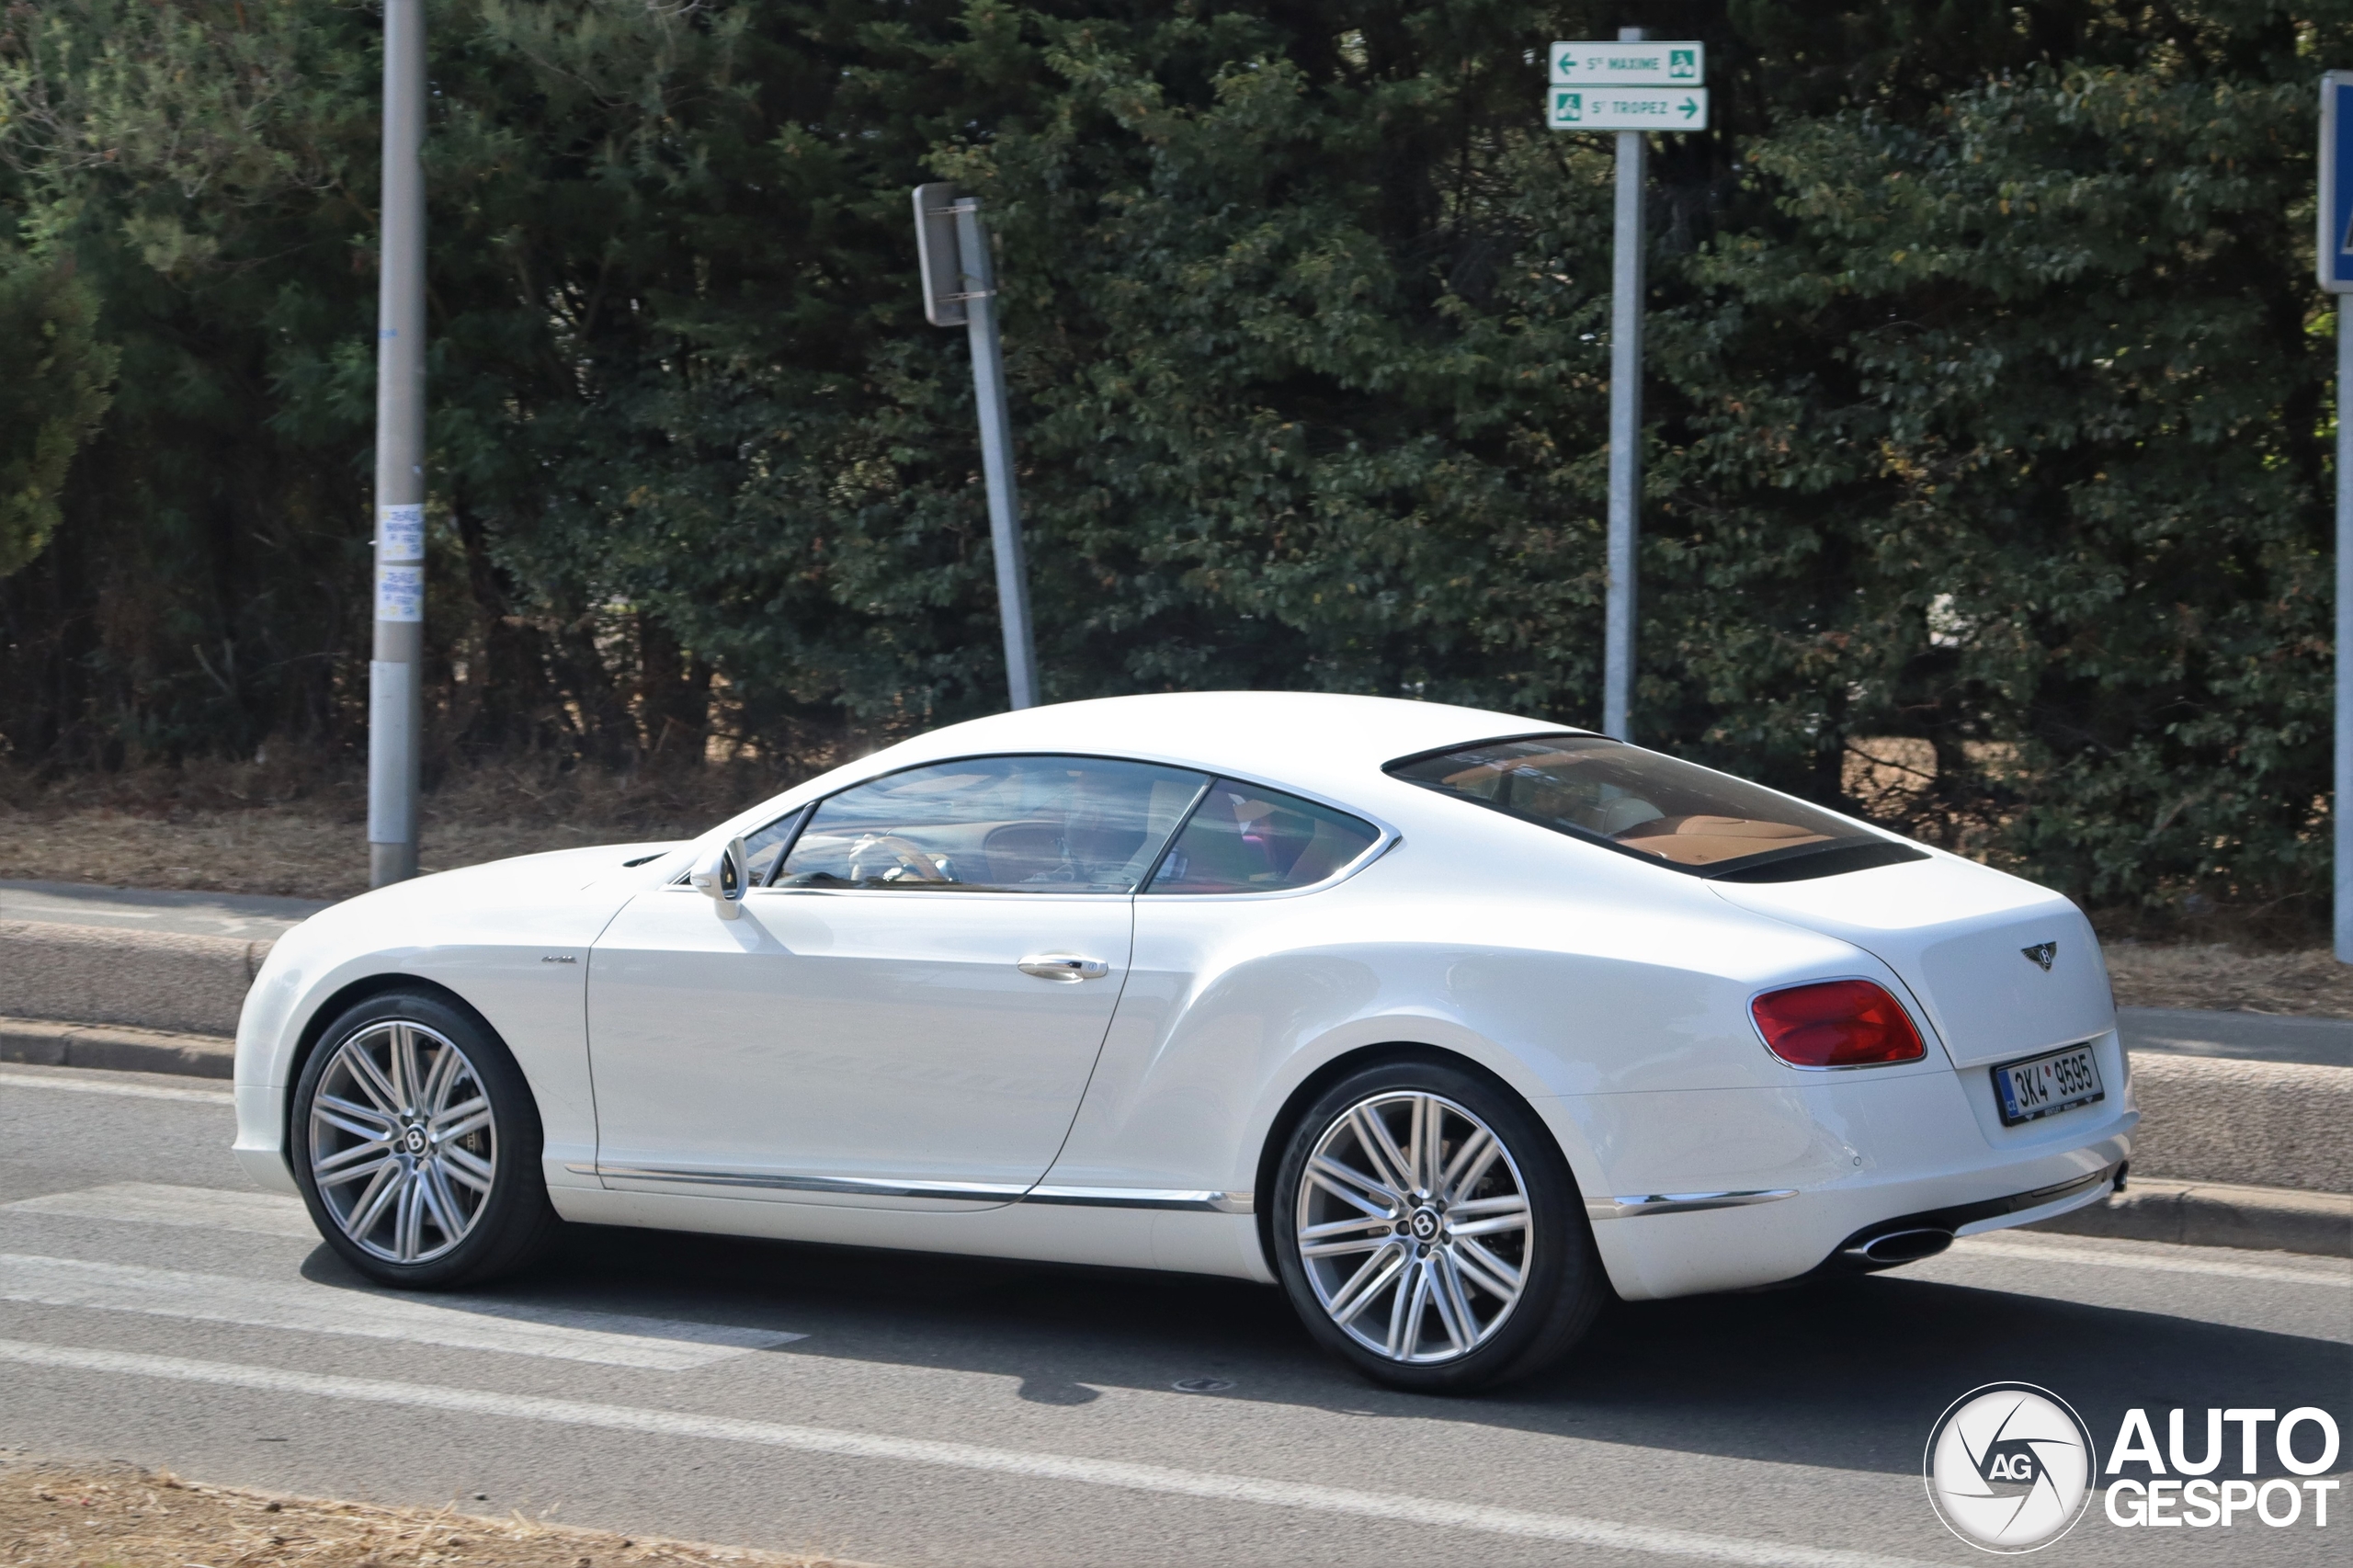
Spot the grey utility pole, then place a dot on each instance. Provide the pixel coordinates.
(396, 699)
(2334, 257)
(1626, 285)
(2341, 817)
(960, 288)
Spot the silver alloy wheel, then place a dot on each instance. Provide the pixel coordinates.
(403, 1147)
(1414, 1227)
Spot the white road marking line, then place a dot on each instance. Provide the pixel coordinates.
(133, 1091)
(612, 1339)
(153, 1203)
(1565, 1528)
(2037, 1252)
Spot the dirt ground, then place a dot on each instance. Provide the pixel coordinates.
(2308, 982)
(123, 1517)
(289, 850)
(301, 833)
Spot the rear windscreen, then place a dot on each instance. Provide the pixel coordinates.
(1643, 803)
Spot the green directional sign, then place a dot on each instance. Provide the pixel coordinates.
(1626, 108)
(1622, 63)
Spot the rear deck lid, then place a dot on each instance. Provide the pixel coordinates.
(2004, 968)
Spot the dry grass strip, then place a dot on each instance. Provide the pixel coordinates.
(122, 1517)
(285, 850)
(2308, 981)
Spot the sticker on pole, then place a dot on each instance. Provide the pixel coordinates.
(1626, 108)
(400, 533)
(2335, 248)
(400, 593)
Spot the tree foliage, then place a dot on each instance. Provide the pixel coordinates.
(1988, 396)
(53, 377)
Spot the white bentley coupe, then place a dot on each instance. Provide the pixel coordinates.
(1448, 1022)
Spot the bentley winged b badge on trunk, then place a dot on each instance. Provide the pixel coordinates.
(2042, 953)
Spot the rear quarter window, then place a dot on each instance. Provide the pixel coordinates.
(1246, 839)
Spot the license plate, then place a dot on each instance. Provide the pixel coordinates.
(2045, 1085)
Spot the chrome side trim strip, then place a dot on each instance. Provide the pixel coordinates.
(1628, 1205)
(959, 1192)
(946, 1191)
(1142, 1197)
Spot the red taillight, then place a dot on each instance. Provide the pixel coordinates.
(1839, 1023)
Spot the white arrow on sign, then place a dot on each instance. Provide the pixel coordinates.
(1618, 62)
(1626, 108)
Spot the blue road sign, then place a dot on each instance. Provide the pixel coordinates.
(2336, 182)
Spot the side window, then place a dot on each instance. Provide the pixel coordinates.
(1002, 824)
(1246, 839)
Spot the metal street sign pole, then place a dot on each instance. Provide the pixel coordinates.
(959, 290)
(997, 453)
(1633, 87)
(1626, 285)
(2343, 782)
(2333, 261)
(396, 697)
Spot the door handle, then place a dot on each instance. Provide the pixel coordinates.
(1063, 967)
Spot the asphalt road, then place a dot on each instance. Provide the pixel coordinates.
(913, 1411)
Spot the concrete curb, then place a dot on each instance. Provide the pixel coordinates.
(150, 979)
(2263, 1219)
(2263, 1124)
(39, 1042)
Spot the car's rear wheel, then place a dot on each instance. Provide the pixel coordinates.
(417, 1145)
(1429, 1232)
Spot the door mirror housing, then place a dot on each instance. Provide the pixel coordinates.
(721, 876)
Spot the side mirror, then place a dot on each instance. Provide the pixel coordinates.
(722, 876)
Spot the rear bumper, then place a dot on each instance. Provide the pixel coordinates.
(1650, 1256)
(1723, 1191)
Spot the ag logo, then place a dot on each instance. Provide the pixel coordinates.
(2009, 1466)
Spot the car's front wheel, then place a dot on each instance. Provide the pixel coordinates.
(417, 1145)
(1429, 1231)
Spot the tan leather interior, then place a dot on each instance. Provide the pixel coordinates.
(1704, 840)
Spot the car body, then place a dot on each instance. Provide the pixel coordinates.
(847, 1060)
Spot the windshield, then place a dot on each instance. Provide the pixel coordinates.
(1644, 804)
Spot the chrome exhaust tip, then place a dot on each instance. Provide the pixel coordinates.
(1901, 1246)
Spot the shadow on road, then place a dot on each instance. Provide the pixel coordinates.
(1847, 1374)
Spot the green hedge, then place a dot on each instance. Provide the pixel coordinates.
(1989, 396)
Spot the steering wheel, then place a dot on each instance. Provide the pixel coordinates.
(906, 853)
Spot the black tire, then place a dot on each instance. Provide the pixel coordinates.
(467, 1229)
(1562, 1284)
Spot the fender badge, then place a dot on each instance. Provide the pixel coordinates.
(2042, 953)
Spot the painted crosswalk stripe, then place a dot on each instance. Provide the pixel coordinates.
(1166, 1480)
(101, 1085)
(466, 1323)
(155, 1203)
(2180, 1260)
